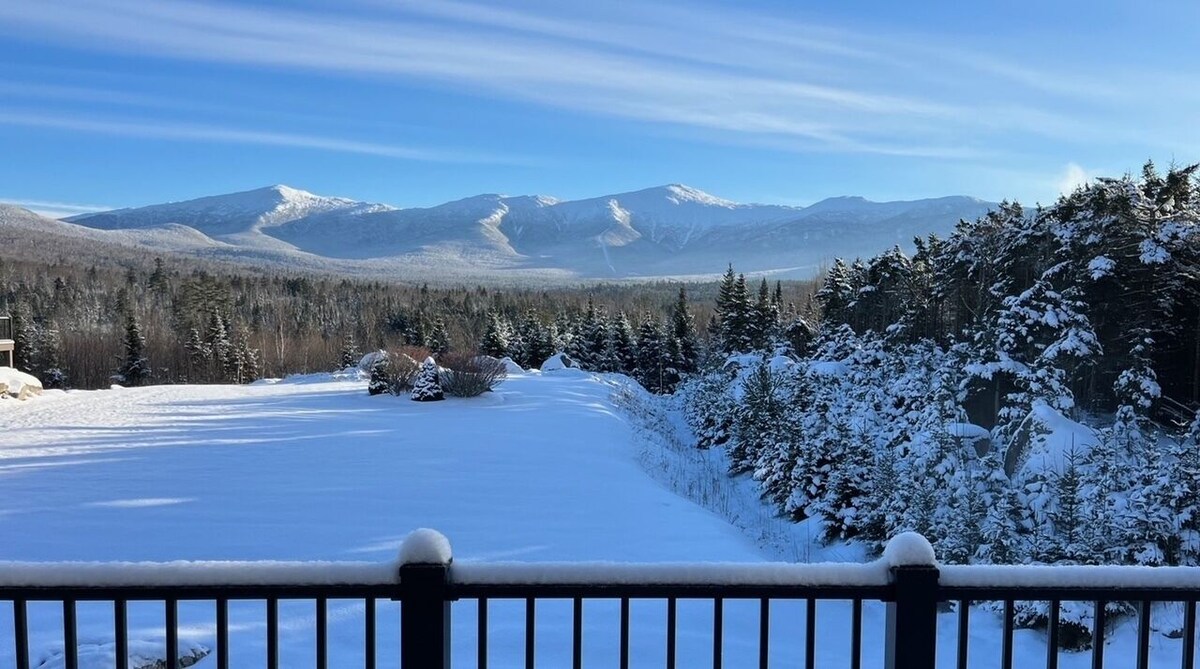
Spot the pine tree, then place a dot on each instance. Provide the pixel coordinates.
(135, 369)
(198, 356)
(427, 386)
(734, 315)
(620, 354)
(350, 354)
(381, 375)
(438, 339)
(495, 339)
(683, 330)
(653, 366)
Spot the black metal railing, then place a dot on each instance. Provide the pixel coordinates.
(426, 585)
(6, 328)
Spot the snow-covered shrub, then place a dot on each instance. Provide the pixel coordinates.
(469, 375)
(427, 386)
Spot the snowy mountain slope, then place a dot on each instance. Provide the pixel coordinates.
(668, 230)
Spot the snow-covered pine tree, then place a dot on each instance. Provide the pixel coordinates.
(135, 368)
(381, 375)
(350, 354)
(495, 338)
(836, 293)
(437, 339)
(427, 386)
(653, 367)
(198, 356)
(683, 329)
(620, 353)
(757, 417)
(1000, 534)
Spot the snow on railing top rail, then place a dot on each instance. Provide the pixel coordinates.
(666, 573)
(1069, 576)
(428, 547)
(188, 574)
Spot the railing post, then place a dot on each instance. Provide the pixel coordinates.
(911, 641)
(425, 601)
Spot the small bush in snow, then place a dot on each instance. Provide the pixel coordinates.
(426, 387)
(471, 375)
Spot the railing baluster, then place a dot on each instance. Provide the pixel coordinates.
(624, 633)
(482, 634)
(764, 632)
(369, 629)
(577, 634)
(856, 609)
(1189, 636)
(70, 640)
(21, 633)
(671, 618)
(1098, 617)
(1052, 635)
(718, 632)
(272, 633)
(964, 628)
(530, 630)
(322, 633)
(222, 634)
(1006, 643)
(121, 633)
(172, 607)
(810, 633)
(1143, 642)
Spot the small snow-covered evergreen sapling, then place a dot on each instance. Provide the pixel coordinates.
(427, 387)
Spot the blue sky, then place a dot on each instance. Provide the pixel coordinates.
(108, 103)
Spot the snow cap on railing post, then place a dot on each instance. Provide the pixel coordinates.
(909, 549)
(425, 546)
(910, 639)
(425, 600)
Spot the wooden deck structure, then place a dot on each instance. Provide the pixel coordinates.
(6, 341)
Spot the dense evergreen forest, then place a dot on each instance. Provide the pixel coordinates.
(176, 321)
(1024, 391)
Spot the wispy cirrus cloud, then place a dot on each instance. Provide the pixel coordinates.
(738, 75)
(54, 209)
(153, 129)
(729, 72)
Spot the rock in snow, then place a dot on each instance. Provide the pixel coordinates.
(559, 361)
(18, 384)
(511, 367)
(425, 546)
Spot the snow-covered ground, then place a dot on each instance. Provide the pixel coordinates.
(551, 467)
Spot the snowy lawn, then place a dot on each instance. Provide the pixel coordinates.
(546, 469)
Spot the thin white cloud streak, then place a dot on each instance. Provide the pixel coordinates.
(194, 132)
(54, 209)
(731, 72)
(541, 67)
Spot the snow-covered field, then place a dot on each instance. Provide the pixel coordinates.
(550, 467)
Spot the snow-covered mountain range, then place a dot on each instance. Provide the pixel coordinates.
(667, 231)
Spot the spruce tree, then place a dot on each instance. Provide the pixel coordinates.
(495, 338)
(653, 366)
(135, 369)
(381, 375)
(427, 386)
(683, 330)
(350, 354)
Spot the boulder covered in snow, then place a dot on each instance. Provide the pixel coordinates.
(559, 361)
(18, 384)
(369, 360)
(511, 367)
